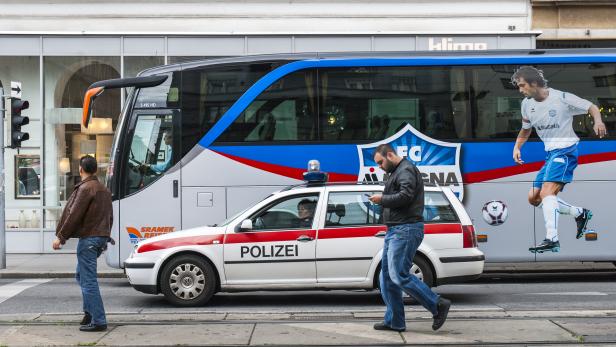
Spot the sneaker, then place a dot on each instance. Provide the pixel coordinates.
(382, 326)
(87, 318)
(93, 328)
(546, 246)
(441, 316)
(582, 221)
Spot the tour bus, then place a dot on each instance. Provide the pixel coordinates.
(200, 141)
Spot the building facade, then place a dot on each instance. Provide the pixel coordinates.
(574, 23)
(56, 49)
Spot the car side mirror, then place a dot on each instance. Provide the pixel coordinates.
(246, 225)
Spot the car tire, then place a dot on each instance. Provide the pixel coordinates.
(188, 280)
(422, 270)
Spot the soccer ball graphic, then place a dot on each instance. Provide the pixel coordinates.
(494, 212)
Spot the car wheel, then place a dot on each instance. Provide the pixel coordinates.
(422, 270)
(188, 280)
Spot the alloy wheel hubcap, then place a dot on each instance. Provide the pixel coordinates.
(187, 281)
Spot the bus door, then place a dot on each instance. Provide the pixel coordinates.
(150, 190)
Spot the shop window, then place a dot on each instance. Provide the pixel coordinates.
(28, 177)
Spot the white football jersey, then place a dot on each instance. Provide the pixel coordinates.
(552, 118)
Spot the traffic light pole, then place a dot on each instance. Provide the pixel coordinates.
(2, 201)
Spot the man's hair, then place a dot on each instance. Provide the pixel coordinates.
(310, 204)
(88, 164)
(531, 75)
(384, 149)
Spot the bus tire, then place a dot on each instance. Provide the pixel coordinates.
(188, 280)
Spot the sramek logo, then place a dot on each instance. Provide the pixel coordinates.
(447, 44)
(439, 162)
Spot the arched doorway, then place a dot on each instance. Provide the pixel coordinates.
(73, 140)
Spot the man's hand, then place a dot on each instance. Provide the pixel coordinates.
(600, 129)
(56, 244)
(517, 156)
(376, 198)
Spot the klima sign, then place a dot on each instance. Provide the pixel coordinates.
(448, 44)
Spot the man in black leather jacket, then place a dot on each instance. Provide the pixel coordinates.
(403, 204)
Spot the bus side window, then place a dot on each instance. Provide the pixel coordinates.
(285, 111)
(373, 103)
(209, 92)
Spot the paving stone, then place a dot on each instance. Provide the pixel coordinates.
(590, 329)
(355, 334)
(173, 335)
(488, 331)
(47, 335)
(18, 317)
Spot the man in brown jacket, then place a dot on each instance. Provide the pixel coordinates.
(88, 215)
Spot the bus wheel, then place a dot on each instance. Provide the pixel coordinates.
(188, 280)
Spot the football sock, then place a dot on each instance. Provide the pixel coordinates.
(565, 208)
(550, 215)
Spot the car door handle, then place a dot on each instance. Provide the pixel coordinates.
(304, 238)
(381, 233)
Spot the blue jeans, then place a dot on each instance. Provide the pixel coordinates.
(88, 250)
(401, 243)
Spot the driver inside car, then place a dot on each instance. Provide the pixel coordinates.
(305, 212)
(164, 166)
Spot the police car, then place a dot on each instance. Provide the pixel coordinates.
(312, 236)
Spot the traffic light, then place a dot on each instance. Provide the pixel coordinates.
(16, 121)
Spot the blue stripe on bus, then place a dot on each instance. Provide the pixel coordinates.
(251, 94)
(344, 158)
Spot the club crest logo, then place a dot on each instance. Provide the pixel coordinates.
(438, 161)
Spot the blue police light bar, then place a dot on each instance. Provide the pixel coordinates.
(314, 174)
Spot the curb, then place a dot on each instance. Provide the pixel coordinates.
(487, 275)
(24, 275)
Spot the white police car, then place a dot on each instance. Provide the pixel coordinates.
(314, 236)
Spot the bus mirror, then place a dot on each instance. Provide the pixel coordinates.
(246, 225)
(88, 101)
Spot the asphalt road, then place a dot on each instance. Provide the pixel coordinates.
(536, 292)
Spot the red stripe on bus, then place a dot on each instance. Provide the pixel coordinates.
(487, 175)
(286, 171)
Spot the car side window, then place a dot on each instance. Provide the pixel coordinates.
(437, 209)
(351, 208)
(296, 212)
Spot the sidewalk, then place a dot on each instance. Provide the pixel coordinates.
(62, 265)
(325, 328)
(59, 265)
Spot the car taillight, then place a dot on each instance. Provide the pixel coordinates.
(468, 237)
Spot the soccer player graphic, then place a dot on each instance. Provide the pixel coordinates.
(551, 112)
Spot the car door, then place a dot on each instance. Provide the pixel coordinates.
(350, 237)
(279, 249)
